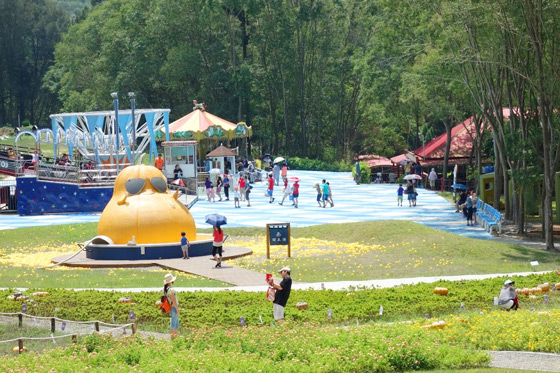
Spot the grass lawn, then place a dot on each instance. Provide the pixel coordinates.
(335, 252)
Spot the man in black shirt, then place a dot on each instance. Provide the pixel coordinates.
(282, 293)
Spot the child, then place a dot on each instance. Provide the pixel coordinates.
(185, 245)
(270, 189)
(318, 189)
(236, 198)
(295, 193)
(400, 193)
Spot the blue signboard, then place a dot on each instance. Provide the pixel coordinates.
(279, 234)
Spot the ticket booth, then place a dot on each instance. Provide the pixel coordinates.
(182, 153)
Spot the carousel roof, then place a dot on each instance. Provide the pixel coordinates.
(200, 124)
(200, 120)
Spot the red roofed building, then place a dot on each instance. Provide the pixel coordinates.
(460, 151)
(374, 161)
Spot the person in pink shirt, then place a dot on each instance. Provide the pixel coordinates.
(284, 172)
(270, 189)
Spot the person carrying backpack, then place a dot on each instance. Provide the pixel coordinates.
(171, 295)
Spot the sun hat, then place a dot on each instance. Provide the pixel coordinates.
(509, 282)
(287, 269)
(169, 278)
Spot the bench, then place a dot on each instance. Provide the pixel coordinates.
(490, 217)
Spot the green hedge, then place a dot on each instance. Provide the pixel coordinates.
(297, 163)
(291, 348)
(200, 309)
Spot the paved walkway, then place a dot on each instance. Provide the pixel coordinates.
(202, 266)
(534, 361)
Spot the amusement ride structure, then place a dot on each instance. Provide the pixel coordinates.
(97, 146)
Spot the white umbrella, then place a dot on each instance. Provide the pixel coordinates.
(278, 160)
(412, 177)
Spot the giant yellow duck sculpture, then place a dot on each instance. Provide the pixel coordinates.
(143, 210)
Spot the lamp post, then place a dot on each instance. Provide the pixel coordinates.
(115, 97)
(132, 96)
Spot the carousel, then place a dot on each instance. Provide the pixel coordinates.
(209, 130)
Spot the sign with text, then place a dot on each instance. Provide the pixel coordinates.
(277, 234)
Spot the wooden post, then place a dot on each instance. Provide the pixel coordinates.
(267, 242)
(53, 325)
(20, 345)
(134, 327)
(97, 326)
(20, 319)
(289, 242)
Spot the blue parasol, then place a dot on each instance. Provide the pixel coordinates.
(459, 186)
(216, 220)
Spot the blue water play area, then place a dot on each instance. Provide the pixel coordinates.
(352, 203)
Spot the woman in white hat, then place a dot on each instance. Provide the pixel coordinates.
(508, 297)
(171, 295)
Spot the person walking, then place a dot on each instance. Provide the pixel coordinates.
(217, 245)
(185, 245)
(330, 200)
(276, 172)
(410, 192)
(358, 174)
(287, 192)
(319, 193)
(236, 197)
(325, 190)
(219, 185)
(270, 189)
(282, 293)
(432, 177)
(226, 185)
(469, 209)
(474, 200)
(242, 186)
(209, 190)
(248, 194)
(159, 162)
(400, 193)
(295, 193)
(508, 297)
(171, 295)
(284, 171)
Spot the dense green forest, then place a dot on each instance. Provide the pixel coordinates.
(324, 79)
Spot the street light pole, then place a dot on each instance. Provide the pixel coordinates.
(132, 96)
(115, 97)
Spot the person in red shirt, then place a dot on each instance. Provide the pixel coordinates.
(242, 188)
(270, 189)
(159, 162)
(295, 193)
(217, 245)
